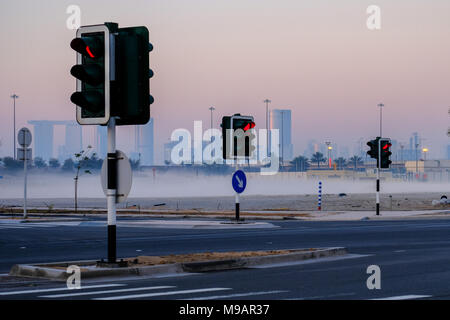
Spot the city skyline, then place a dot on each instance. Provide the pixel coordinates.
(320, 59)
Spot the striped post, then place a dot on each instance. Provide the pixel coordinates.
(319, 200)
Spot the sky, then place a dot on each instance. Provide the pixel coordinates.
(315, 57)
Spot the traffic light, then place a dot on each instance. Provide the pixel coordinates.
(131, 97)
(373, 152)
(112, 74)
(92, 72)
(238, 137)
(385, 146)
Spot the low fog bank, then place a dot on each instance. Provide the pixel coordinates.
(191, 185)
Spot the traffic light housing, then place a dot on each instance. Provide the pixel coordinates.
(92, 72)
(237, 137)
(385, 146)
(373, 152)
(112, 74)
(131, 90)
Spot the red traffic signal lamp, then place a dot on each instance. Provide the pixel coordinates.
(385, 146)
(238, 137)
(93, 73)
(112, 73)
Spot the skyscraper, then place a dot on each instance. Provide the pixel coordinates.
(145, 142)
(101, 141)
(281, 119)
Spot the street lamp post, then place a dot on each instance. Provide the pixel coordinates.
(14, 96)
(425, 150)
(328, 143)
(267, 101)
(212, 109)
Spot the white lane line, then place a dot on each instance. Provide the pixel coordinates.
(168, 293)
(237, 295)
(324, 297)
(406, 297)
(59, 289)
(104, 291)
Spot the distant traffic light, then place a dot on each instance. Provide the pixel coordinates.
(238, 137)
(386, 153)
(112, 74)
(373, 152)
(92, 72)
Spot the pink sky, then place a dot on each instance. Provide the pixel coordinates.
(314, 57)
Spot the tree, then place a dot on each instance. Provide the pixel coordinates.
(318, 158)
(68, 165)
(54, 163)
(11, 164)
(135, 164)
(39, 163)
(355, 161)
(82, 161)
(300, 163)
(341, 163)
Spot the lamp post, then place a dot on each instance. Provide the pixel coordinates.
(329, 148)
(212, 109)
(425, 150)
(267, 101)
(14, 97)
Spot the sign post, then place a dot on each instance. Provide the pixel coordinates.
(239, 182)
(24, 153)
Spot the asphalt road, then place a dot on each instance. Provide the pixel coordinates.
(413, 256)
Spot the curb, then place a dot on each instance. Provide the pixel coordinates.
(46, 271)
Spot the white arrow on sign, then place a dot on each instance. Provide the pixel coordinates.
(240, 182)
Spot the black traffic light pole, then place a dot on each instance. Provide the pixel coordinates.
(112, 190)
(378, 178)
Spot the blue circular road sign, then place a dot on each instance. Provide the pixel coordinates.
(239, 181)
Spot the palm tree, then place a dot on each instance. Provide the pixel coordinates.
(300, 163)
(355, 161)
(318, 157)
(340, 162)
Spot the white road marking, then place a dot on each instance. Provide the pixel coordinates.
(406, 297)
(167, 293)
(324, 297)
(238, 295)
(59, 289)
(104, 291)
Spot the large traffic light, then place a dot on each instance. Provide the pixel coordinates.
(112, 74)
(131, 90)
(238, 137)
(92, 71)
(373, 152)
(385, 145)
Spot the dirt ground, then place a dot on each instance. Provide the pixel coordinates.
(202, 256)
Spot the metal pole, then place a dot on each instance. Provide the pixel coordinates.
(267, 101)
(379, 161)
(236, 198)
(319, 200)
(25, 183)
(14, 96)
(112, 190)
(212, 109)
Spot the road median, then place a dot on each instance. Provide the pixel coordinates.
(154, 266)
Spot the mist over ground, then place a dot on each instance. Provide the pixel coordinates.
(179, 185)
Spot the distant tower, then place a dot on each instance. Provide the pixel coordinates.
(101, 141)
(281, 119)
(146, 143)
(43, 138)
(74, 138)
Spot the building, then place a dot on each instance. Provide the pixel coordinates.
(144, 142)
(281, 119)
(101, 141)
